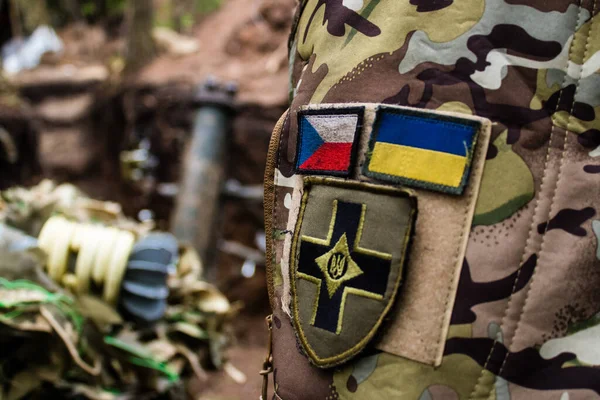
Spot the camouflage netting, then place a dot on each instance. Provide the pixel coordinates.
(54, 343)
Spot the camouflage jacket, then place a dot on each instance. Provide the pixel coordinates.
(432, 200)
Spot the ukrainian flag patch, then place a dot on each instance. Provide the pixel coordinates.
(421, 149)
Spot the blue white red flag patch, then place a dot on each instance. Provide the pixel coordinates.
(327, 140)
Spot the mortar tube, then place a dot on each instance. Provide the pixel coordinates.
(196, 217)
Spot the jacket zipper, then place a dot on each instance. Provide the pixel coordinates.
(269, 202)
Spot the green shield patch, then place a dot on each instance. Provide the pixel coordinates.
(348, 253)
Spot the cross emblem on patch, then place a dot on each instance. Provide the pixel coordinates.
(339, 266)
(347, 256)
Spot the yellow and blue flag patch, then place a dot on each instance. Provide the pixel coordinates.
(421, 149)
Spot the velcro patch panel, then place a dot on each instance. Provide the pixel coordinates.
(441, 156)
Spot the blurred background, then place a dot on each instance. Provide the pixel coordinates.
(164, 107)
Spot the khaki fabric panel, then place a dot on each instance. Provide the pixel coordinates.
(419, 327)
(294, 209)
(418, 324)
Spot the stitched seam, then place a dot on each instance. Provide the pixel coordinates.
(457, 254)
(531, 227)
(457, 190)
(330, 116)
(558, 181)
(432, 121)
(275, 202)
(416, 114)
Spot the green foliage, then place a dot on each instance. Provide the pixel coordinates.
(207, 6)
(163, 15)
(187, 21)
(182, 17)
(88, 9)
(93, 10)
(63, 12)
(115, 7)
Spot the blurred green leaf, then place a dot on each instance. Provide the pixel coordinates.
(187, 21)
(191, 330)
(115, 7)
(88, 9)
(207, 6)
(98, 311)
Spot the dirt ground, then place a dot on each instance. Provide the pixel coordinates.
(245, 41)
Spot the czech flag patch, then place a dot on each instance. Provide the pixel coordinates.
(421, 149)
(327, 140)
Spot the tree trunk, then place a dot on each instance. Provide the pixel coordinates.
(35, 13)
(177, 11)
(27, 15)
(140, 45)
(15, 19)
(101, 8)
(73, 9)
